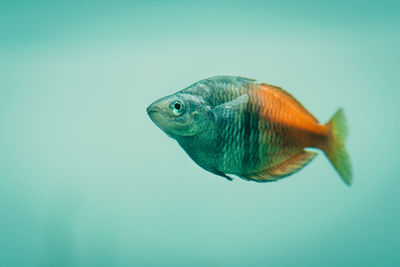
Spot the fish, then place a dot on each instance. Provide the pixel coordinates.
(235, 126)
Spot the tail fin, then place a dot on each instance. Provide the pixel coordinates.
(334, 148)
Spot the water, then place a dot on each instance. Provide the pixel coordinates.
(88, 180)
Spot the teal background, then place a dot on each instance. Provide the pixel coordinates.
(86, 179)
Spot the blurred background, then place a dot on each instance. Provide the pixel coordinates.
(86, 179)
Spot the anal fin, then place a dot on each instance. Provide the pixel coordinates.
(282, 169)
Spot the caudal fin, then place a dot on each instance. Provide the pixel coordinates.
(334, 148)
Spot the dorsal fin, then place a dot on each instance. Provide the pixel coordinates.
(289, 98)
(282, 169)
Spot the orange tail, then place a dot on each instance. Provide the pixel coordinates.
(334, 148)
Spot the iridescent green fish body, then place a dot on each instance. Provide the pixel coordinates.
(233, 125)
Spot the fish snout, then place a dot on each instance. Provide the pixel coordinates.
(159, 106)
(152, 108)
(156, 112)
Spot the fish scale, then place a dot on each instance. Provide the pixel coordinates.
(240, 152)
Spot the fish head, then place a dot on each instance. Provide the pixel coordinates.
(180, 114)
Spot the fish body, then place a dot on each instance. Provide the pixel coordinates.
(234, 125)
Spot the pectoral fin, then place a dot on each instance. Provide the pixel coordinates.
(282, 169)
(228, 111)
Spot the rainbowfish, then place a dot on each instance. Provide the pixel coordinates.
(256, 131)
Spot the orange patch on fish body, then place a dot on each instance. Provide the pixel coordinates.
(287, 116)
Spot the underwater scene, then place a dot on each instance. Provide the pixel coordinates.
(88, 179)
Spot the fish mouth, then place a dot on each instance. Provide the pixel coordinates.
(156, 115)
(152, 109)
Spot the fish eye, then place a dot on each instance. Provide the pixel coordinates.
(177, 107)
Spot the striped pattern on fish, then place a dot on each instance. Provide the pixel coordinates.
(250, 129)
